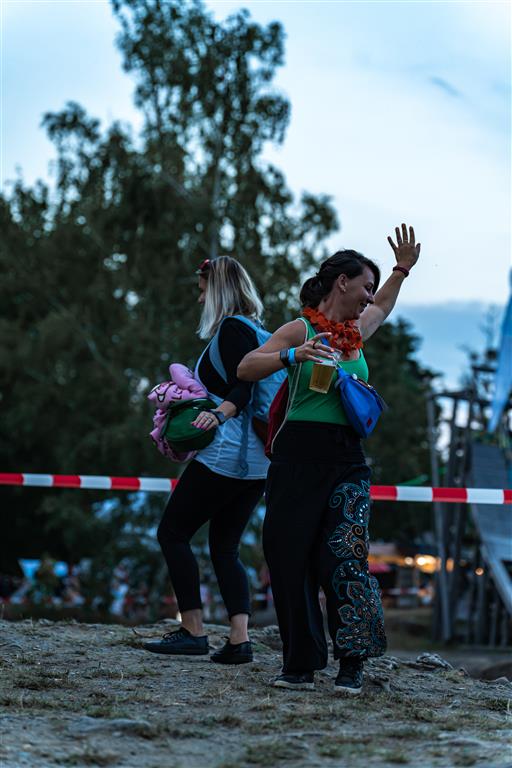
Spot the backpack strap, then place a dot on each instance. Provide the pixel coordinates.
(214, 351)
(214, 355)
(216, 361)
(293, 386)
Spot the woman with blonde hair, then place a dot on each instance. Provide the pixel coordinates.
(225, 480)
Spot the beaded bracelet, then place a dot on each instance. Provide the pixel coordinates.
(403, 270)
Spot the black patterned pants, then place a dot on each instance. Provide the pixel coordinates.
(316, 534)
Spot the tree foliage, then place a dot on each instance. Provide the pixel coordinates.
(99, 292)
(398, 450)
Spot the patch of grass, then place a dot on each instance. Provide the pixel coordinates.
(352, 738)
(20, 701)
(397, 757)
(128, 642)
(109, 673)
(465, 758)
(42, 681)
(271, 724)
(329, 750)
(227, 720)
(98, 697)
(88, 757)
(497, 705)
(186, 733)
(400, 708)
(228, 764)
(144, 672)
(271, 752)
(455, 722)
(263, 705)
(106, 710)
(139, 698)
(409, 732)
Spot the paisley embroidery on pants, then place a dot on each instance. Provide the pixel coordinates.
(355, 500)
(350, 570)
(349, 541)
(362, 631)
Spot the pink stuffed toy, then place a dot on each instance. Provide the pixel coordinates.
(183, 386)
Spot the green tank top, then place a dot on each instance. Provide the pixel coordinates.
(314, 406)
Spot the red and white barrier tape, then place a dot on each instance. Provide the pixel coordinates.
(165, 485)
(99, 482)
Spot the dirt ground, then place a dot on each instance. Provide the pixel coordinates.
(87, 695)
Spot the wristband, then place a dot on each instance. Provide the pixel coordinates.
(284, 357)
(221, 417)
(403, 270)
(291, 356)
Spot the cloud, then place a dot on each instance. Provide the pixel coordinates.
(445, 86)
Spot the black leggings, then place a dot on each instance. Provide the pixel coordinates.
(227, 502)
(316, 534)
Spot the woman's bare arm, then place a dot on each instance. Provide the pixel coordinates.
(265, 360)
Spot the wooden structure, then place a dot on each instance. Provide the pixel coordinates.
(473, 596)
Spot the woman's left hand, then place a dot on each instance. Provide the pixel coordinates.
(406, 250)
(205, 421)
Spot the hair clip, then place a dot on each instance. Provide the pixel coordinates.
(203, 267)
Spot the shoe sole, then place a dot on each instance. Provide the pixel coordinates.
(294, 686)
(175, 653)
(351, 691)
(240, 660)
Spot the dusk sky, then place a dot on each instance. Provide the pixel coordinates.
(400, 111)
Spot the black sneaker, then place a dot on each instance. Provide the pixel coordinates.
(179, 643)
(350, 676)
(238, 653)
(300, 682)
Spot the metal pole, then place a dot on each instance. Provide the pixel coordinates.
(442, 594)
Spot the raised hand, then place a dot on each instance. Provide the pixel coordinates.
(406, 250)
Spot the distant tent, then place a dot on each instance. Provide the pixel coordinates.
(503, 380)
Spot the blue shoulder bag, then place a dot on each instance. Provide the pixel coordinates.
(361, 402)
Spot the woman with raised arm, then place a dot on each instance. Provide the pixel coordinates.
(317, 495)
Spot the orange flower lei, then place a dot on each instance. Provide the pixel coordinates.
(345, 336)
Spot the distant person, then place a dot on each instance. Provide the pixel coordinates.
(315, 532)
(225, 481)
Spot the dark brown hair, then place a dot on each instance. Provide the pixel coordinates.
(349, 263)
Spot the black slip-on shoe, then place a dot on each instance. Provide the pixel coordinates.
(350, 677)
(238, 653)
(179, 643)
(300, 682)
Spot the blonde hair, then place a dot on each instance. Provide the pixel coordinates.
(229, 291)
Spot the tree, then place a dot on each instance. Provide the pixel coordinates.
(398, 450)
(99, 288)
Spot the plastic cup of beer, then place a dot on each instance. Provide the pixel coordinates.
(321, 375)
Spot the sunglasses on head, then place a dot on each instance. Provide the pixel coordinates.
(204, 267)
